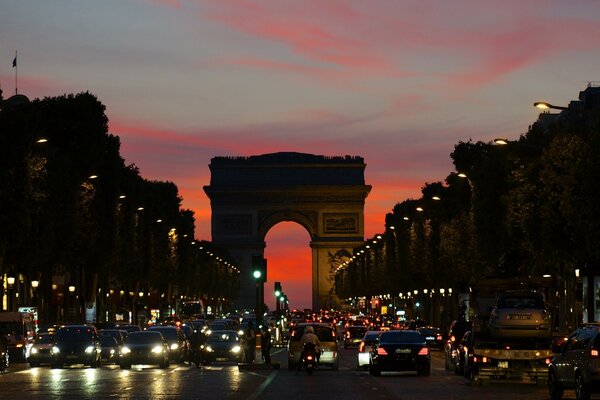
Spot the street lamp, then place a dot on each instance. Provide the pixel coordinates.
(542, 105)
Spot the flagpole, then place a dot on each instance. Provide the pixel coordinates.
(16, 68)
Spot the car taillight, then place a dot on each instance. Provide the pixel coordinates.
(348, 335)
(439, 337)
(361, 347)
(595, 353)
(424, 351)
(309, 358)
(381, 351)
(452, 339)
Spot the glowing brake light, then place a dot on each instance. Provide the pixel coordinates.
(452, 338)
(424, 351)
(361, 347)
(595, 353)
(309, 358)
(381, 351)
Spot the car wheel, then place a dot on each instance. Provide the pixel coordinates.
(374, 370)
(125, 366)
(424, 371)
(554, 387)
(55, 365)
(34, 364)
(581, 390)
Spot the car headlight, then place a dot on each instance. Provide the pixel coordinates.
(112, 351)
(240, 332)
(174, 346)
(89, 349)
(157, 349)
(55, 350)
(208, 331)
(209, 349)
(125, 350)
(34, 350)
(236, 349)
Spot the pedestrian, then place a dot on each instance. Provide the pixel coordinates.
(265, 344)
(250, 336)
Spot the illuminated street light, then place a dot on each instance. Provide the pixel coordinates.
(501, 141)
(35, 284)
(542, 105)
(461, 175)
(436, 198)
(42, 140)
(71, 289)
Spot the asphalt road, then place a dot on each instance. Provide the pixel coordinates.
(226, 381)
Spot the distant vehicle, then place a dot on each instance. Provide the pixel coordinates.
(354, 335)
(520, 314)
(19, 329)
(457, 331)
(329, 346)
(109, 349)
(364, 348)
(178, 344)
(400, 351)
(189, 310)
(76, 344)
(433, 337)
(145, 347)
(41, 351)
(576, 364)
(223, 346)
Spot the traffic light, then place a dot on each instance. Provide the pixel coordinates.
(259, 268)
(277, 290)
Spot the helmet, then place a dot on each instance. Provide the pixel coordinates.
(309, 329)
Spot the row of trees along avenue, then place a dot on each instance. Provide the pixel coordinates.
(73, 214)
(524, 208)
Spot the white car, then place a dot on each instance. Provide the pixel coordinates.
(365, 347)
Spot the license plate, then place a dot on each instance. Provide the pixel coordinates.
(502, 364)
(327, 354)
(402, 351)
(430, 338)
(71, 357)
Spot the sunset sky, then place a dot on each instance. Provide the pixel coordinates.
(396, 82)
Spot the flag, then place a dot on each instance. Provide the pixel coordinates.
(15, 62)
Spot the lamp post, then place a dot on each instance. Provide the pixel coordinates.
(71, 303)
(542, 105)
(10, 280)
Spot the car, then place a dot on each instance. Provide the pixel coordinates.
(400, 351)
(364, 348)
(178, 344)
(520, 314)
(145, 347)
(462, 356)
(329, 345)
(576, 364)
(129, 328)
(118, 334)
(41, 350)
(458, 328)
(433, 337)
(353, 335)
(223, 346)
(76, 344)
(109, 349)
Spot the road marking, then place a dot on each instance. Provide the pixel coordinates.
(263, 386)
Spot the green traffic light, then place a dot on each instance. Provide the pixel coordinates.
(277, 293)
(257, 274)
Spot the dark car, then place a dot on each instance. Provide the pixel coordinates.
(576, 364)
(223, 346)
(354, 335)
(457, 331)
(178, 344)
(118, 334)
(433, 337)
(400, 351)
(76, 344)
(460, 365)
(129, 328)
(41, 350)
(109, 349)
(145, 347)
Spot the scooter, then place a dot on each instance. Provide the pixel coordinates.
(308, 360)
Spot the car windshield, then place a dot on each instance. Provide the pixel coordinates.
(108, 341)
(74, 333)
(400, 337)
(44, 339)
(223, 337)
(523, 301)
(143, 338)
(324, 334)
(168, 333)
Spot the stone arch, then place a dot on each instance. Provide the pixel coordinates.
(325, 195)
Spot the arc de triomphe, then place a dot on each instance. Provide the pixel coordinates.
(326, 195)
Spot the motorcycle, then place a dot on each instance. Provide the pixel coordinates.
(308, 359)
(3, 361)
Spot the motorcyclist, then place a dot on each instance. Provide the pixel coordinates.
(309, 337)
